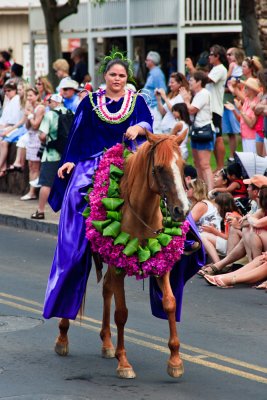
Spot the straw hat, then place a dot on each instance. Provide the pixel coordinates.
(252, 83)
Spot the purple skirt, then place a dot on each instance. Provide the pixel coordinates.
(72, 260)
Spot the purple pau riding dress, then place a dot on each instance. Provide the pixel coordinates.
(72, 261)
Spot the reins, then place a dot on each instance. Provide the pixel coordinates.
(151, 161)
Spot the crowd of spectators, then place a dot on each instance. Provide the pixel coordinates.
(27, 119)
(224, 92)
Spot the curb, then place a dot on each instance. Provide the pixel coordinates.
(29, 224)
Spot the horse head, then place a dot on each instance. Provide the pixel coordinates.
(166, 176)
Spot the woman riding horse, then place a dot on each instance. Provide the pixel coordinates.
(102, 120)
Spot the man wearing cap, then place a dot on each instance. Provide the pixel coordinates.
(68, 89)
(51, 157)
(155, 80)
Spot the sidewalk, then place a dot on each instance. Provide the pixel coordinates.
(17, 213)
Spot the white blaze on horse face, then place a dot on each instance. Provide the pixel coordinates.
(179, 185)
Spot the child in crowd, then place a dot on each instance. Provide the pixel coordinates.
(181, 115)
(214, 240)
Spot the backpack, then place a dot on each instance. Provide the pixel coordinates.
(63, 129)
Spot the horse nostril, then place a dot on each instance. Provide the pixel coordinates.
(177, 211)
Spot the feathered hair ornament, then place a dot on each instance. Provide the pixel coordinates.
(116, 54)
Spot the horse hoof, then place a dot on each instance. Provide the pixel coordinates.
(126, 373)
(175, 372)
(62, 349)
(108, 352)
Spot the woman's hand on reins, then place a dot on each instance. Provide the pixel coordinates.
(67, 167)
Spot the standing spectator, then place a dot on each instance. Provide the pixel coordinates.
(261, 107)
(61, 68)
(176, 81)
(16, 73)
(155, 81)
(34, 118)
(246, 115)
(201, 109)
(50, 157)
(217, 78)
(80, 73)
(230, 125)
(250, 68)
(69, 90)
(182, 123)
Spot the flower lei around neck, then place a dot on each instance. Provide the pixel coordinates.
(103, 226)
(104, 114)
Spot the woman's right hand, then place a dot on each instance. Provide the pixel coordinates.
(66, 168)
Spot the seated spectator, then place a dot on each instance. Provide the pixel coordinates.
(12, 133)
(190, 173)
(11, 111)
(203, 210)
(249, 274)
(69, 90)
(236, 185)
(220, 180)
(239, 234)
(213, 239)
(183, 122)
(44, 87)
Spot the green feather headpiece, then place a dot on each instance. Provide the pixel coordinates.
(116, 54)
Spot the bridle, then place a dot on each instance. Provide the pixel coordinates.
(162, 189)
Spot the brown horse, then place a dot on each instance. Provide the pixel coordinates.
(155, 170)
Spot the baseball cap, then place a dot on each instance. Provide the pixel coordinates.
(257, 180)
(56, 97)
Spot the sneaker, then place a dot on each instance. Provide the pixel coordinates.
(230, 160)
(35, 183)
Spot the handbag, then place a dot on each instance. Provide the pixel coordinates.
(203, 134)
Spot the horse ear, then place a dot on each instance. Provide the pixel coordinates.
(180, 138)
(149, 136)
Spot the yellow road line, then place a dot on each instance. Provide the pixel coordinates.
(200, 359)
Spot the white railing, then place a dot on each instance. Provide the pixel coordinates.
(211, 12)
(144, 13)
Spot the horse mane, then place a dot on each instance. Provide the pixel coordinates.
(138, 162)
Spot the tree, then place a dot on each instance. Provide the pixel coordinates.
(54, 14)
(250, 28)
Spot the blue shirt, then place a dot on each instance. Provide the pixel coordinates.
(72, 103)
(155, 79)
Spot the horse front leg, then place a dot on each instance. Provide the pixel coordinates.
(175, 365)
(124, 370)
(62, 342)
(108, 350)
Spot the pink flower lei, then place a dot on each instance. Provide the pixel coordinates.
(104, 114)
(112, 254)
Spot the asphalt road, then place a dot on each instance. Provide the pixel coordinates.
(223, 336)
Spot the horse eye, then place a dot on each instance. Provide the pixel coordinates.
(160, 168)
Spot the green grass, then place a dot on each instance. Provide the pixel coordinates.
(212, 160)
